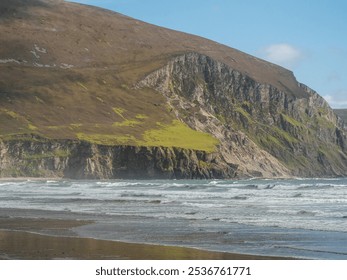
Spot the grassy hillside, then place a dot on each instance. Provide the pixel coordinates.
(69, 71)
(73, 105)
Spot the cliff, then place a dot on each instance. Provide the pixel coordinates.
(88, 93)
(287, 133)
(38, 157)
(342, 113)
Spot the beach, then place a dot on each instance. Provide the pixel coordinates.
(168, 219)
(48, 239)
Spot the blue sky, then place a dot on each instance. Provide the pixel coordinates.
(306, 36)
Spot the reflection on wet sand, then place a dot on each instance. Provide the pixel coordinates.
(24, 245)
(45, 239)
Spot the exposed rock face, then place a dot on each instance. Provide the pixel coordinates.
(117, 102)
(265, 131)
(342, 114)
(82, 160)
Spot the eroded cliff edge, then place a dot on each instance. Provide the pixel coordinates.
(261, 131)
(39, 157)
(265, 131)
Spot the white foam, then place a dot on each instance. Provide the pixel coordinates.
(244, 202)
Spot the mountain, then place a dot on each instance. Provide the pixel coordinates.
(90, 93)
(342, 113)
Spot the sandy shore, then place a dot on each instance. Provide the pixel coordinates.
(27, 238)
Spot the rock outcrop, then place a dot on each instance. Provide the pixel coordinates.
(265, 131)
(39, 157)
(342, 114)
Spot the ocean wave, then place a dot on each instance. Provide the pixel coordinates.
(306, 213)
(283, 203)
(315, 187)
(239, 197)
(248, 187)
(112, 184)
(140, 195)
(204, 205)
(12, 198)
(213, 183)
(90, 201)
(188, 187)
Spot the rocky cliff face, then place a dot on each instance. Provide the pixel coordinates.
(264, 130)
(127, 99)
(38, 157)
(342, 114)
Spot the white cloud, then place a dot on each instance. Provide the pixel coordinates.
(338, 99)
(328, 98)
(283, 54)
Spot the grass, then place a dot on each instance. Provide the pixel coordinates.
(12, 114)
(204, 164)
(245, 114)
(107, 139)
(141, 116)
(292, 121)
(107, 115)
(176, 134)
(180, 135)
(270, 140)
(82, 86)
(53, 154)
(221, 118)
(130, 123)
(119, 112)
(324, 122)
(32, 127)
(281, 134)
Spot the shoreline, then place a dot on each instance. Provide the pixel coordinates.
(16, 179)
(233, 179)
(48, 239)
(37, 246)
(218, 216)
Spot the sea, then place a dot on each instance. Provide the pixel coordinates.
(299, 218)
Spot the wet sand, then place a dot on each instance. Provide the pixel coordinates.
(26, 238)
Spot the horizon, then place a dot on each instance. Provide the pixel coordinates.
(312, 45)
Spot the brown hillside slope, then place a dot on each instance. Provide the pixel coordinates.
(74, 72)
(83, 36)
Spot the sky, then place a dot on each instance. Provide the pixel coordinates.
(306, 36)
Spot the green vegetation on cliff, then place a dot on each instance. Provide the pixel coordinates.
(126, 83)
(175, 134)
(180, 135)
